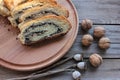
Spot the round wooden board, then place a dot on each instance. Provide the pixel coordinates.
(16, 56)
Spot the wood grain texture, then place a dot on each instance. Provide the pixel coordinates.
(100, 11)
(109, 70)
(112, 31)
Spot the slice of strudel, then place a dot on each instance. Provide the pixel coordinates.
(44, 10)
(43, 28)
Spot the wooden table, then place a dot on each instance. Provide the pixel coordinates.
(103, 13)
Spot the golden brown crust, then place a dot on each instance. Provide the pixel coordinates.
(28, 5)
(10, 4)
(1, 2)
(4, 11)
(51, 1)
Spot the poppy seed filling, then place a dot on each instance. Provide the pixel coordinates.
(22, 11)
(41, 30)
(32, 16)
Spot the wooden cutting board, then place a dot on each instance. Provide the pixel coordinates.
(16, 56)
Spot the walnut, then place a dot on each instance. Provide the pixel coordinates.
(99, 32)
(104, 43)
(86, 24)
(87, 40)
(95, 60)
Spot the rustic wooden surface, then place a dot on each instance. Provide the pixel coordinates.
(104, 13)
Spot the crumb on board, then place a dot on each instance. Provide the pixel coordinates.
(8, 29)
(16, 38)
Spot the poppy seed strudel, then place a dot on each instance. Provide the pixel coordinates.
(19, 10)
(46, 27)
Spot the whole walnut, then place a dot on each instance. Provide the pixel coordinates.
(95, 60)
(99, 32)
(86, 24)
(104, 43)
(87, 40)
